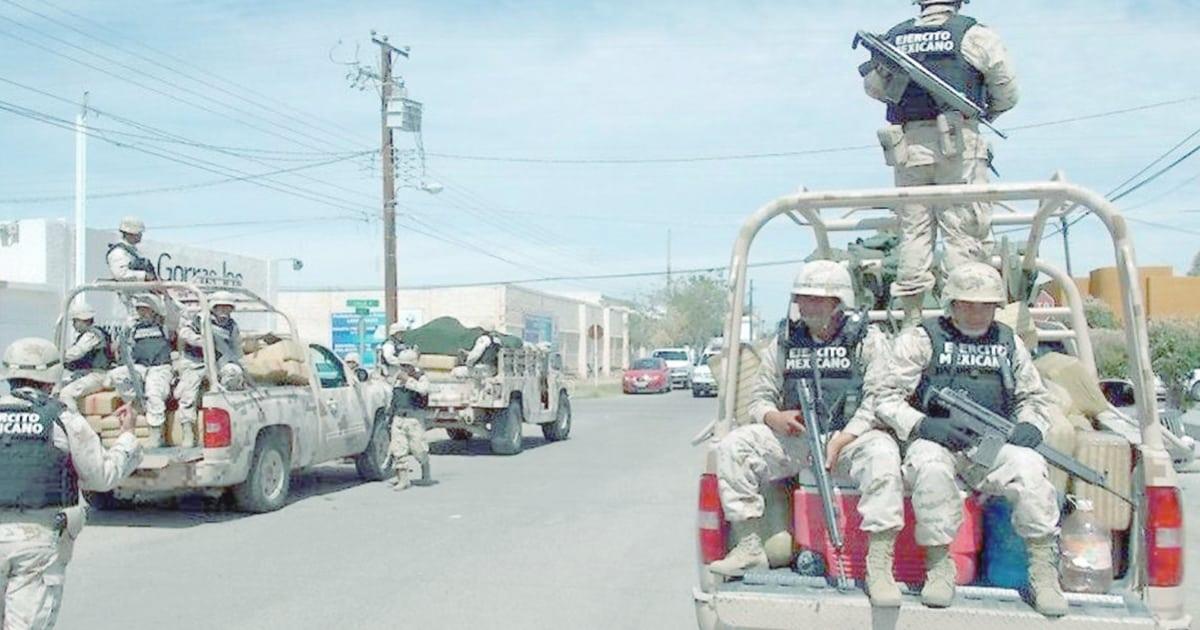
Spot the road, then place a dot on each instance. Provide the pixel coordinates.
(594, 532)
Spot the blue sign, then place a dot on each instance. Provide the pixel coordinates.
(352, 332)
(539, 328)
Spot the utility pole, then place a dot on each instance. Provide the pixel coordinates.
(669, 289)
(81, 194)
(1066, 244)
(389, 176)
(751, 311)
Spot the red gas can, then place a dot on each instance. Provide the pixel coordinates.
(910, 558)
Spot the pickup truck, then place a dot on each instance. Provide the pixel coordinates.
(249, 440)
(1149, 546)
(527, 386)
(679, 363)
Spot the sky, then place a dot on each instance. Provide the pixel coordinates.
(560, 97)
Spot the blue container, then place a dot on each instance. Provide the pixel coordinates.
(1005, 561)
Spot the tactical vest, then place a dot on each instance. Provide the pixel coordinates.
(404, 398)
(837, 363)
(939, 49)
(139, 263)
(34, 474)
(97, 358)
(150, 344)
(222, 338)
(491, 354)
(980, 367)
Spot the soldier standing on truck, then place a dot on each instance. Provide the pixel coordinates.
(227, 343)
(969, 351)
(410, 392)
(124, 261)
(819, 335)
(149, 348)
(88, 358)
(927, 143)
(50, 455)
(485, 352)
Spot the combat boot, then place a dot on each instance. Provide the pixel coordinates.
(912, 305)
(154, 439)
(187, 434)
(401, 482)
(940, 573)
(881, 584)
(747, 555)
(1047, 593)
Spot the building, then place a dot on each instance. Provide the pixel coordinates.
(587, 330)
(37, 268)
(1163, 293)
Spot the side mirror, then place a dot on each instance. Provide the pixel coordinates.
(1118, 393)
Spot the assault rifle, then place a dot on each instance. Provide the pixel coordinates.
(138, 404)
(810, 406)
(993, 431)
(942, 92)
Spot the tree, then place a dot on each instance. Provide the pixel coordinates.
(1174, 353)
(1098, 314)
(689, 312)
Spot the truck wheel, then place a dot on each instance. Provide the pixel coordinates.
(461, 435)
(506, 429)
(561, 427)
(266, 487)
(375, 464)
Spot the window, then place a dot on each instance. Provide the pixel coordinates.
(648, 364)
(671, 355)
(329, 369)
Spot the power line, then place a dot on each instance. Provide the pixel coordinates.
(614, 276)
(1156, 160)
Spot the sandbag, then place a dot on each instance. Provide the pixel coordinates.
(437, 362)
(100, 403)
(284, 350)
(1069, 373)
(1111, 455)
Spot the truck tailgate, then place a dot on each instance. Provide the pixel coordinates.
(782, 599)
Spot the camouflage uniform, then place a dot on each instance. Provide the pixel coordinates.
(919, 159)
(82, 382)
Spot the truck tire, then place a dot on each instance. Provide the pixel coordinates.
(561, 427)
(460, 435)
(506, 429)
(266, 486)
(375, 464)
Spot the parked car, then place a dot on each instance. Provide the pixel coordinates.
(647, 375)
(679, 363)
(703, 383)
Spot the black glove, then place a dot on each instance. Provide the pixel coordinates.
(1025, 434)
(946, 433)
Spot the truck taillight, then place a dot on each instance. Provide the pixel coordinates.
(1164, 536)
(711, 521)
(217, 431)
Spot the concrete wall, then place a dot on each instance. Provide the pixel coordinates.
(1163, 293)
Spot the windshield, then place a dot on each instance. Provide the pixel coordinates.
(671, 355)
(647, 364)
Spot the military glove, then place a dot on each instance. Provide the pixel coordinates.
(944, 432)
(1025, 434)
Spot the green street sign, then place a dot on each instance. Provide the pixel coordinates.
(362, 303)
(362, 310)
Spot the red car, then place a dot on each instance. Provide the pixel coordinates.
(647, 375)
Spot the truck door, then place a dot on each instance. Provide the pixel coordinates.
(343, 419)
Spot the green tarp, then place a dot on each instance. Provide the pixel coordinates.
(446, 335)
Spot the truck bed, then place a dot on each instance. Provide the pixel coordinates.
(782, 599)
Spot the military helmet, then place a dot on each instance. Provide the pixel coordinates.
(974, 282)
(408, 356)
(396, 328)
(34, 359)
(149, 301)
(353, 358)
(132, 225)
(925, 2)
(82, 311)
(222, 298)
(825, 278)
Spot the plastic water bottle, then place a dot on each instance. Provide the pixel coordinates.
(1086, 556)
(1005, 560)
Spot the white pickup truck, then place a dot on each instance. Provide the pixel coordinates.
(1149, 543)
(250, 440)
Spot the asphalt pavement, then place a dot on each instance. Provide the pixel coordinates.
(593, 532)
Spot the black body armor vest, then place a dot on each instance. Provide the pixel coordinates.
(980, 367)
(34, 474)
(839, 364)
(939, 49)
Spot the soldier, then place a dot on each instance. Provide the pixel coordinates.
(485, 352)
(149, 349)
(927, 144)
(50, 455)
(389, 352)
(353, 364)
(819, 336)
(88, 358)
(227, 343)
(968, 350)
(410, 388)
(124, 261)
